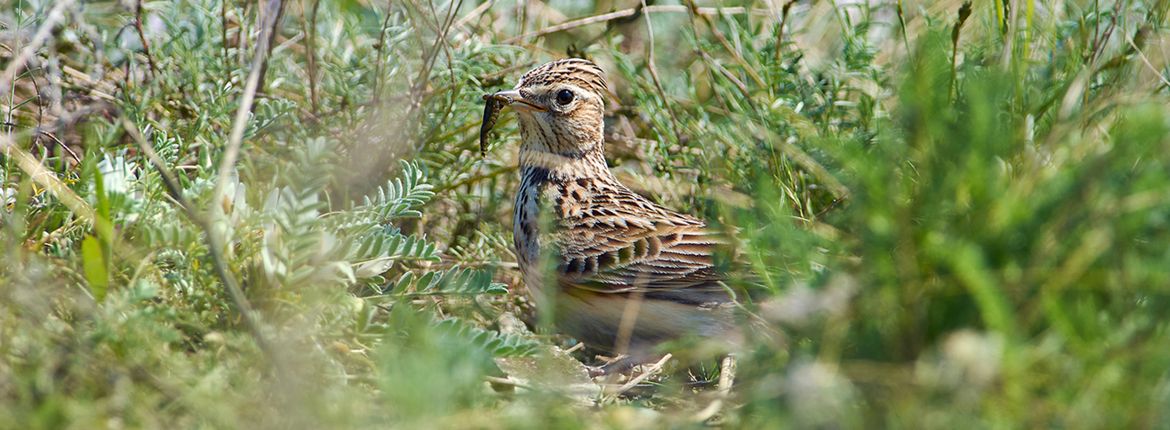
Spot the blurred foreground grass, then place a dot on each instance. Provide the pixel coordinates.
(962, 214)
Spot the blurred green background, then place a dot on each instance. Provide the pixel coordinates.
(274, 214)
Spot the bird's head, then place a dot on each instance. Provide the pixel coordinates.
(560, 105)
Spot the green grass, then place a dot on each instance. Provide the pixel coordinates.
(960, 222)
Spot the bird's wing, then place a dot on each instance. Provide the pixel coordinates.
(641, 247)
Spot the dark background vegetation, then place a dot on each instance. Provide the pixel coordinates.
(274, 213)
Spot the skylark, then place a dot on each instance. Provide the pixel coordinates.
(626, 273)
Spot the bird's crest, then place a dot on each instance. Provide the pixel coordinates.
(582, 73)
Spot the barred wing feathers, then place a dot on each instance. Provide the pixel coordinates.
(621, 243)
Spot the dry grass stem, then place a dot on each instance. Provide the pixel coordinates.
(633, 382)
(240, 123)
(47, 179)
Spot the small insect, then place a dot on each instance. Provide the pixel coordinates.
(493, 103)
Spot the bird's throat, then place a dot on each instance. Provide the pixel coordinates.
(589, 165)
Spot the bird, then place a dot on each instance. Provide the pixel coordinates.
(606, 265)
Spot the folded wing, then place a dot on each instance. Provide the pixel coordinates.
(636, 246)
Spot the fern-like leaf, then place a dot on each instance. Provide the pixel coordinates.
(498, 344)
(455, 281)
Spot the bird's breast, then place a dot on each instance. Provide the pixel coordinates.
(544, 205)
(526, 224)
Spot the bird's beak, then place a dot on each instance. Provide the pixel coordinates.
(517, 101)
(494, 102)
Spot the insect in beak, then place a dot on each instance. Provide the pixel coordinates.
(493, 104)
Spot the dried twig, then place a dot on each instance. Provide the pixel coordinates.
(142, 38)
(379, 60)
(39, 104)
(784, 21)
(964, 12)
(448, 24)
(676, 129)
(429, 59)
(1101, 40)
(648, 372)
(475, 13)
(42, 131)
(272, 13)
(751, 71)
(726, 378)
(1146, 61)
(232, 151)
(575, 348)
(227, 164)
(45, 178)
(739, 85)
(310, 24)
(507, 381)
(569, 25)
(902, 26)
(223, 23)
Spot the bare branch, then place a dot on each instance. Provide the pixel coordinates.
(142, 38)
(630, 12)
(651, 371)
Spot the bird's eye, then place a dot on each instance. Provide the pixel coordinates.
(564, 97)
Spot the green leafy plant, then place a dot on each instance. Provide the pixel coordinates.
(958, 211)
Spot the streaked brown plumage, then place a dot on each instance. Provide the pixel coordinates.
(610, 248)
